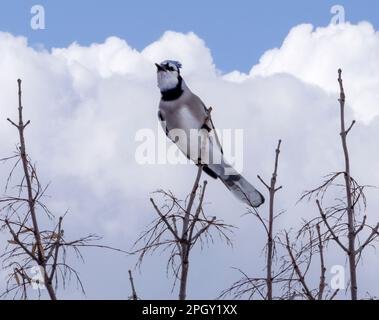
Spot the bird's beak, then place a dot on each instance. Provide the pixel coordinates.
(159, 68)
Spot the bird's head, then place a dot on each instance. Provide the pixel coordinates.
(168, 74)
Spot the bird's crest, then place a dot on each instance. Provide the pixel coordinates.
(172, 63)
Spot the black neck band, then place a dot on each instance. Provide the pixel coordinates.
(175, 93)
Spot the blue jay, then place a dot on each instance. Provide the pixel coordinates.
(182, 113)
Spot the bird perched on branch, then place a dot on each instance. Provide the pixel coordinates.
(188, 123)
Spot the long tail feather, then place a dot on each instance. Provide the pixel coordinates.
(236, 183)
(243, 190)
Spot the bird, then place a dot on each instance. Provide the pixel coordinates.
(181, 113)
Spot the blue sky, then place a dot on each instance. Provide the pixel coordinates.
(237, 32)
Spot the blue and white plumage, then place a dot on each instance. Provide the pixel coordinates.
(182, 113)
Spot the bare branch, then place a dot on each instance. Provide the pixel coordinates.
(330, 229)
(322, 264)
(374, 233)
(263, 182)
(165, 221)
(298, 271)
(134, 293)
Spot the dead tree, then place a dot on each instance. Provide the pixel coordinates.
(296, 257)
(262, 286)
(134, 295)
(292, 279)
(341, 220)
(34, 247)
(297, 262)
(179, 227)
(272, 189)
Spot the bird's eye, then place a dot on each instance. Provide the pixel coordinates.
(168, 67)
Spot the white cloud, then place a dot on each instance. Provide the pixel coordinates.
(313, 54)
(87, 103)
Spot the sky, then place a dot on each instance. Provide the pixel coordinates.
(89, 86)
(251, 27)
